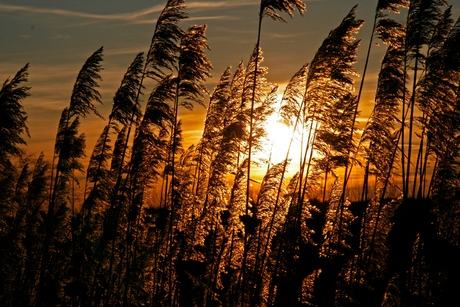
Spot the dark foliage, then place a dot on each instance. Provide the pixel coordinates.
(164, 225)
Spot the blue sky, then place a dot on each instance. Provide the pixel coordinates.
(56, 37)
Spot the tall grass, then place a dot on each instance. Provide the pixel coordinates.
(369, 219)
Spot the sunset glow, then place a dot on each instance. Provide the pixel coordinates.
(144, 149)
(280, 138)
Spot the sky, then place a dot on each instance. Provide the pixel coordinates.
(57, 36)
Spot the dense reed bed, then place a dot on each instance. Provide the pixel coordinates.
(164, 225)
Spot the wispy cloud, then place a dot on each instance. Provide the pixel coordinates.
(138, 17)
(223, 17)
(129, 17)
(220, 4)
(61, 36)
(277, 35)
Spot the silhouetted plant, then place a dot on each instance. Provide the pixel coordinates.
(161, 225)
(421, 20)
(268, 8)
(213, 129)
(69, 150)
(192, 70)
(13, 118)
(380, 131)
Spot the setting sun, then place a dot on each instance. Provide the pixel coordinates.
(188, 166)
(279, 135)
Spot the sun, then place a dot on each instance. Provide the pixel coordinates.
(279, 136)
(280, 139)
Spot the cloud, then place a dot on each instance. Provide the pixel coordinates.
(276, 35)
(137, 17)
(129, 17)
(220, 4)
(61, 36)
(224, 17)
